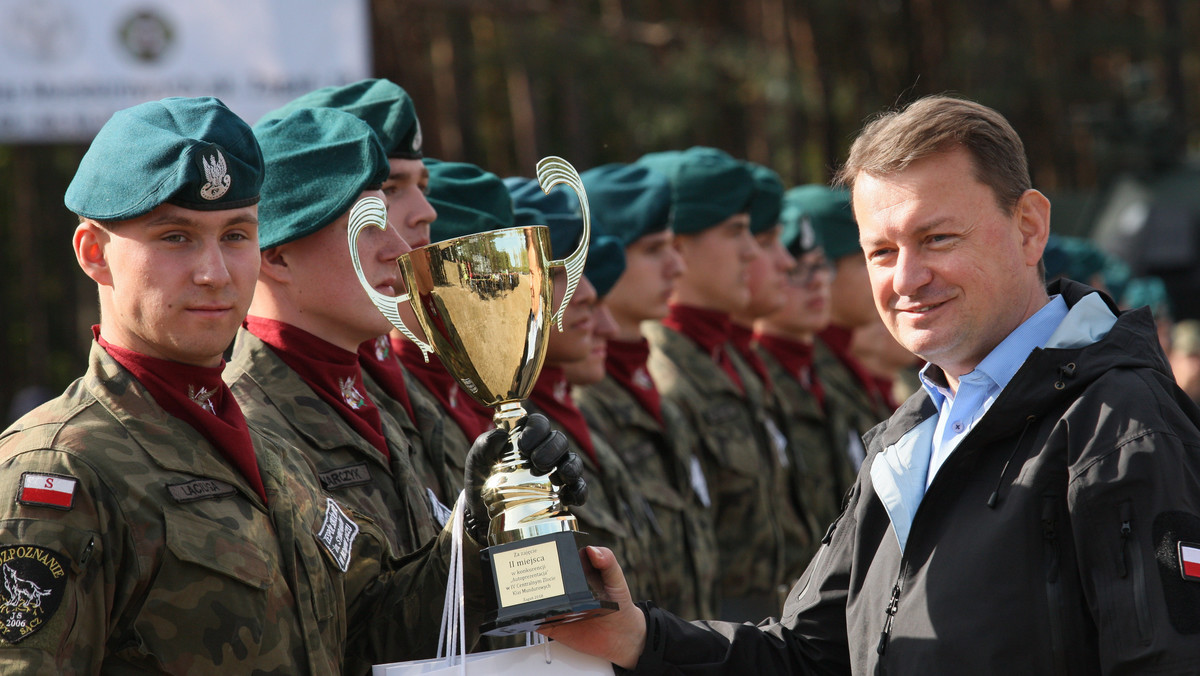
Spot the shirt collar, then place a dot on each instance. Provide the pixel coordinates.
(1003, 362)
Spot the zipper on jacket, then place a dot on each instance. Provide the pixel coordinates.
(892, 606)
(815, 566)
(1131, 561)
(1054, 592)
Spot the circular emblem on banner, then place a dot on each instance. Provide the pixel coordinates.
(146, 35)
(33, 581)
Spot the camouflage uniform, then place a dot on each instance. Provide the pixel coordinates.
(659, 458)
(165, 560)
(790, 503)
(852, 411)
(825, 473)
(451, 451)
(740, 470)
(614, 516)
(391, 491)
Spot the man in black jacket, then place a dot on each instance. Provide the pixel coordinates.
(1035, 508)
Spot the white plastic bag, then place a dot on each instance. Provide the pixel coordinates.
(540, 658)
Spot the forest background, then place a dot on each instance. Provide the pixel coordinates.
(1103, 92)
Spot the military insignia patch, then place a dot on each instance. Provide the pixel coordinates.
(34, 583)
(202, 398)
(337, 534)
(417, 138)
(350, 393)
(216, 175)
(1189, 561)
(47, 490)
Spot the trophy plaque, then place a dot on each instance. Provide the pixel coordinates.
(483, 302)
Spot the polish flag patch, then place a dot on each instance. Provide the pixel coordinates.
(47, 490)
(1189, 561)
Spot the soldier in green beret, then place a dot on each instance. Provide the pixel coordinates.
(692, 361)
(624, 407)
(848, 386)
(389, 112)
(615, 515)
(768, 274)
(786, 339)
(145, 525)
(468, 200)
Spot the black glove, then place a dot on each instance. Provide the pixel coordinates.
(546, 451)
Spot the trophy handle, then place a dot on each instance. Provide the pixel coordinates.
(372, 212)
(550, 172)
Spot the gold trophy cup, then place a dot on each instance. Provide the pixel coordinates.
(483, 302)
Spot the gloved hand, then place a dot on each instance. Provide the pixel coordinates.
(546, 451)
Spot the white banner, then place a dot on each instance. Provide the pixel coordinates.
(67, 65)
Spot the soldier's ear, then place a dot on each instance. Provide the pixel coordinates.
(274, 264)
(91, 241)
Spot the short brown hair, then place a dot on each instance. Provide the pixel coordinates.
(934, 124)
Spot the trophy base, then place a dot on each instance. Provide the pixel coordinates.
(538, 581)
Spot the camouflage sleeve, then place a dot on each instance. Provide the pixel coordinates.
(59, 561)
(395, 604)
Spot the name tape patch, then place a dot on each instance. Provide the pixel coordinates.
(33, 581)
(200, 489)
(1189, 561)
(47, 490)
(349, 475)
(337, 534)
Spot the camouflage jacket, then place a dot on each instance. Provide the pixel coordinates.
(852, 412)
(739, 468)
(155, 556)
(351, 469)
(659, 458)
(824, 470)
(790, 502)
(450, 448)
(614, 515)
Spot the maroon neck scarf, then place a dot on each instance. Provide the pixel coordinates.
(552, 394)
(376, 358)
(711, 330)
(473, 417)
(796, 358)
(333, 373)
(838, 339)
(742, 338)
(197, 396)
(625, 361)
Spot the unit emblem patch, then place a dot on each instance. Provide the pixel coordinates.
(34, 582)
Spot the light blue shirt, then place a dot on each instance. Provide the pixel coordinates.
(958, 412)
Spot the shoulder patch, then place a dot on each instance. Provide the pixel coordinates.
(348, 475)
(34, 582)
(200, 489)
(47, 490)
(1189, 561)
(337, 534)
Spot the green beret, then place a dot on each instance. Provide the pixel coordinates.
(1072, 257)
(468, 200)
(319, 161)
(798, 234)
(767, 200)
(828, 210)
(1147, 291)
(605, 263)
(192, 152)
(628, 201)
(383, 104)
(524, 217)
(559, 208)
(708, 186)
